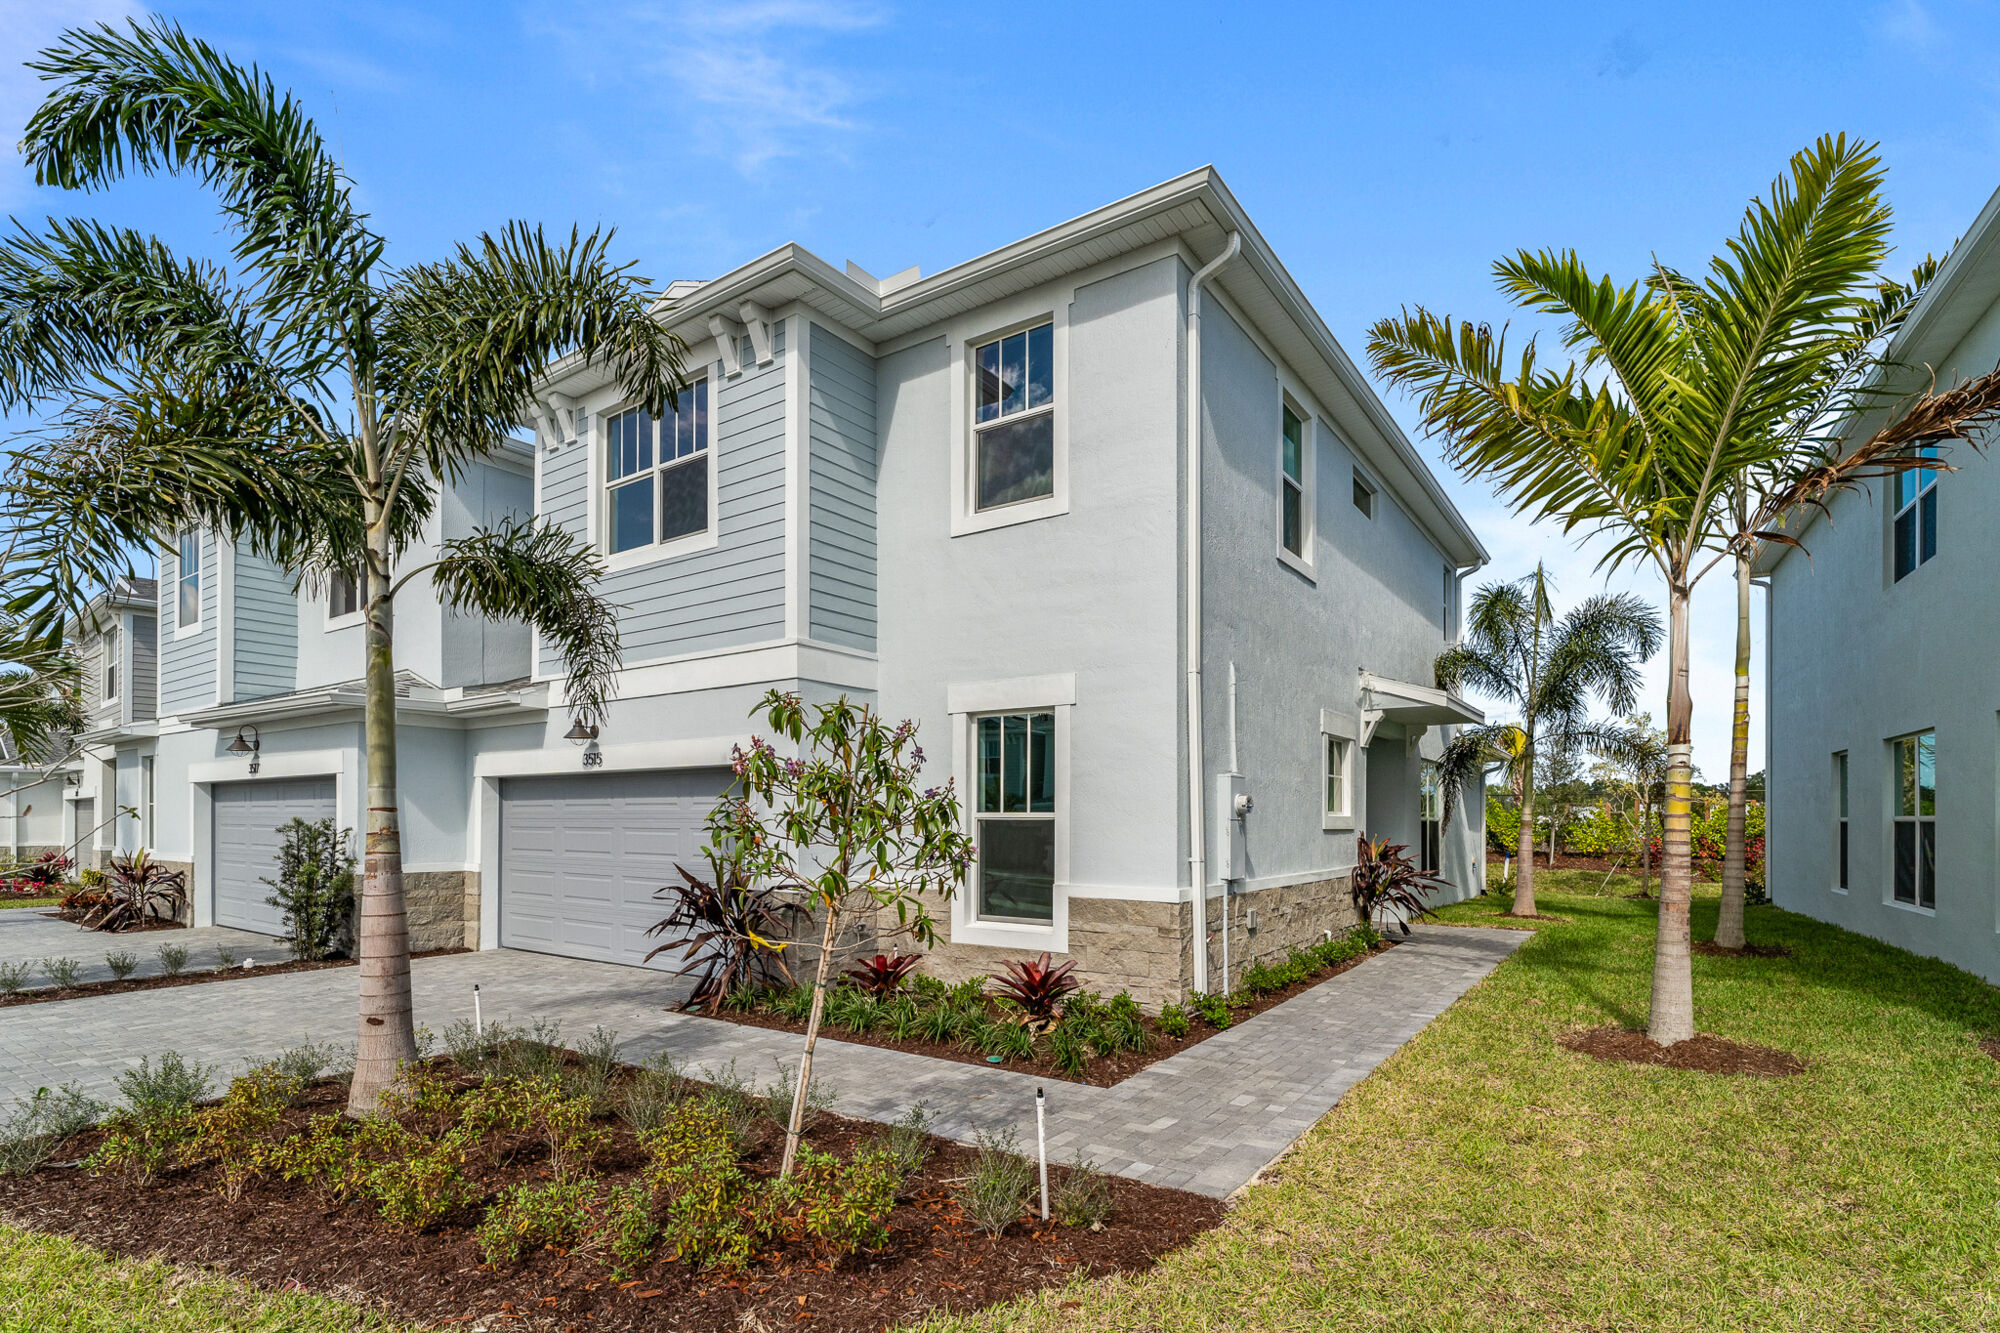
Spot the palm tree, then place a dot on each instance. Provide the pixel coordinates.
(1640, 765)
(1516, 649)
(309, 406)
(1684, 391)
(41, 698)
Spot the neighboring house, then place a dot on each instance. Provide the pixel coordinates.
(107, 792)
(1883, 720)
(963, 499)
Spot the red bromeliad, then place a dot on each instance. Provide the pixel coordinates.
(882, 976)
(1036, 987)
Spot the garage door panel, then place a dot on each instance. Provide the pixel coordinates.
(582, 855)
(248, 817)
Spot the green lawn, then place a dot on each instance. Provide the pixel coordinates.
(1487, 1179)
(31, 902)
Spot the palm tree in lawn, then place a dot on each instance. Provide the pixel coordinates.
(1683, 391)
(1550, 669)
(309, 405)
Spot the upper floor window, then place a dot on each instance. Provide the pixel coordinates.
(110, 643)
(1916, 514)
(187, 612)
(343, 595)
(1292, 484)
(1014, 816)
(1448, 616)
(657, 473)
(1014, 418)
(1915, 777)
(1364, 495)
(1840, 817)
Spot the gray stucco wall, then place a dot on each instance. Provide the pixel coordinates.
(187, 665)
(734, 592)
(266, 630)
(840, 531)
(1857, 659)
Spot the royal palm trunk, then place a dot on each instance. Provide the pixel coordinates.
(1672, 1018)
(1729, 922)
(1524, 882)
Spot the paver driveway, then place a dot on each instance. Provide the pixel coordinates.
(29, 934)
(1207, 1119)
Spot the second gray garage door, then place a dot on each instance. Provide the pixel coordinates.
(582, 855)
(248, 817)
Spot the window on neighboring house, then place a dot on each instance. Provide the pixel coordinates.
(343, 596)
(657, 473)
(1292, 484)
(1840, 820)
(1430, 820)
(1364, 496)
(1015, 816)
(110, 642)
(1448, 617)
(1014, 418)
(1338, 781)
(188, 576)
(146, 834)
(1916, 515)
(1916, 819)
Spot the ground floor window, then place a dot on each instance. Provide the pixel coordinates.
(1430, 815)
(1014, 816)
(1840, 806)
(1916, 819)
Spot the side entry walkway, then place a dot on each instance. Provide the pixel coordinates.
(1207, 1119)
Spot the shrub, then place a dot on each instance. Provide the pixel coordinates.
(307, 1063)
(314, 890)
(647, 1097)
(225, 958)
(418, 1189)
(1174, 1021)
(174, 1084)
(1035, 986)
(173, 959)
(1385, 880)
(882, 976)
(241, 1130)
(122, 962)
(776, 1099)
(1503, 823)
(590, 1074)
(1211, 1008)
(701, 1193)
(328, 1159)
(527, 1216)
(139, 1144)
(907, 1140)
(627, 1227)
(38, 1125)
(1079, 1196)
(1068, 1042)
(793, 1002)
(47, 871)
(995, 1194)
(724, 928)
(61, 972)
(533, 1052)
(139, 889)
(13, 978)
(834, 1208)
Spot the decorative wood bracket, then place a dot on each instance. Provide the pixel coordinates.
(728, 337)
(758, 321)
(1371, 718)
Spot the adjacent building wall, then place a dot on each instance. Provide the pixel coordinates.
(840, 490)
(265, 632)
(187, 663)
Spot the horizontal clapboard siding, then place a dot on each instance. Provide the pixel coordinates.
(187, 666)
(840, 552)
(145, 668)
(734, 592)
(267, 628)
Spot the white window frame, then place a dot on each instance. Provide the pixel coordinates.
(1449, 611)
(1366, 483)
(1008, 318)
(1308, 450)
(1336, 728)
(149, 778)
(1915, 509)
(601, 486)
(112, 683)
(967, 702)
(352, 618)
(183, 627)
(1918, 820)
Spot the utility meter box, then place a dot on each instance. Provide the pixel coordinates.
(1229, 819)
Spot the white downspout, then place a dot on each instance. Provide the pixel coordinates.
(1191, 455)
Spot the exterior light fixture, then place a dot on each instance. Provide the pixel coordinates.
(580, 733)
(253, 746)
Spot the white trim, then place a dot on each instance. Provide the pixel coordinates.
(798, 445)
(1343, 819)
(1302, 562)
(630, 757)
(656, 552)
(225, 622)
(1013, 695)
(965, 925)
(747, 664)
(329, 622)
(1031, 310)
(186, 630)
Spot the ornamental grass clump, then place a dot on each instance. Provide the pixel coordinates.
(1079, 1196)
(173, 959)
(39, 1125)
(995, 1193)
(122, 962)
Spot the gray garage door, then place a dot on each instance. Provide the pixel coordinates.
(581, 856)
(248, 816)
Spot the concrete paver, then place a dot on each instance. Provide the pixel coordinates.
(28, 935)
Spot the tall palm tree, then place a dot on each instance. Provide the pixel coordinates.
(311, 405)
(1685, 390)
(1550, 669)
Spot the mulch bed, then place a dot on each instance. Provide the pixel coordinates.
(1991, 1045)
(280, 1236)
(1102, 1071)
(1710, 949)
(150, 924)
(90, 988)
(1703, 1053)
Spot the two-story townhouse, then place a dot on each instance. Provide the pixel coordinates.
(1107, 511)
(108, 788)
(260, 706)
(1883, 721)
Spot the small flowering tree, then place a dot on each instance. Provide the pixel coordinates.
(845, 825)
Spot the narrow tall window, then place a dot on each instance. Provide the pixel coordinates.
(147, 837)
(1015, 816)
(657, 473)
(1916, 819)
(343, 597)
(1449, 615)
(1337, 776)
(1014, 418)
(110, 642)
(1364, 496)
(188, 611)
(1292, 485)
(1840, 806)
(1430, 820)
(1916, 515)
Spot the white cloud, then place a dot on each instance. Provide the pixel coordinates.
(1912, 25)
(27, 27)
(754, 79)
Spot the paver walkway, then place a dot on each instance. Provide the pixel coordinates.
(29, 934)
(1207, 1119)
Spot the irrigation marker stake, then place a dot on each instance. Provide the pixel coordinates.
(478, 1024)
(1042, 1148)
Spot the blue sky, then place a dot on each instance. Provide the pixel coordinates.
(1390, 153)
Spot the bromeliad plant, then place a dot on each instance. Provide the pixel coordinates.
(882, 976)
(138, 889)
(1035, 987)
(1387, 883)
(843, 824)
(728, 931)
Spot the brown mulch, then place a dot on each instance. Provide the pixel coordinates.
(1704, 1053)
(1101, 1071)
(90, 988)
(1710, 949)
(1991, 1045)
(150, 924)
(280, 1236)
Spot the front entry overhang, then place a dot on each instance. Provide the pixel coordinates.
(1416, 707)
